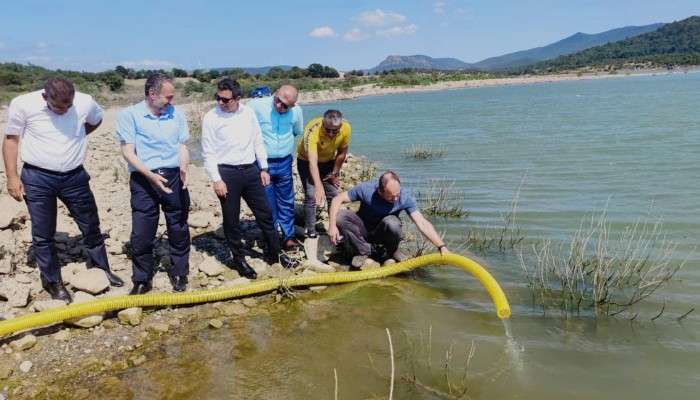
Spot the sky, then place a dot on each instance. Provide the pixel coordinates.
(98, 35)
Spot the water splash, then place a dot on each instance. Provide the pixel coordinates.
(513, 350)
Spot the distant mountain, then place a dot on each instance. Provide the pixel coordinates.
(420, 62)
(572, 44)
(677, 43)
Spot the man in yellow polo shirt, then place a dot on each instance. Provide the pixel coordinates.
(320, 155)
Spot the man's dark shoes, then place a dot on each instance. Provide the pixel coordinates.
(113, 279)
(141, 288)
(57, 291)
(283, 259)
(179, 283)
(245, 270)
(291, 244)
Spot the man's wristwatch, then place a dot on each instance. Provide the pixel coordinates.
(264, 170)
(335, 173)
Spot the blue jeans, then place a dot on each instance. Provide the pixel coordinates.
(280, 194)
(146, 202)
(41, 189)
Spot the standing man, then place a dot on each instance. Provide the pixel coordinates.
(236, 161)
(321, 153)
(281, 120)
(153, 136)
(377, 221)
(54, 124)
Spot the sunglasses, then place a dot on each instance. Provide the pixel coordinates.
(284, 106)
(222, 99)
(331, 131)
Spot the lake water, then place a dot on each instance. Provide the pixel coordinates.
(628, 146)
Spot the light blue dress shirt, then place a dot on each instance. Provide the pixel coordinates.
(278, 130)
(157, 139)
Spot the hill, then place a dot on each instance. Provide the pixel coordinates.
(572, 44)
(420, 62)
(677, 43)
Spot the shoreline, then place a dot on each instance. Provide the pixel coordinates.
(331, 95)
(115, 346)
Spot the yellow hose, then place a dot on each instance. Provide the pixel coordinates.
(229, 292)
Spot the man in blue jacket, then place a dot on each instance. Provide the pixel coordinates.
(281, 120)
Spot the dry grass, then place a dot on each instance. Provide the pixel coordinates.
(596, 269)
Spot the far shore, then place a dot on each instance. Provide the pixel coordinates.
(324, 96)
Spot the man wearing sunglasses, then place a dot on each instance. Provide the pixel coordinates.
(153, 135)
(281, 120)
(320, 155)
(53, 124)
(236, 161)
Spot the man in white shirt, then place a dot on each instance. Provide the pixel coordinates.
(53, 124)
(236, 161)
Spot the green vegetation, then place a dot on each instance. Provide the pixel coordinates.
(438, 198)
(423, 152)
(675, 44)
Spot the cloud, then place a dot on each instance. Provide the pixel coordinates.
(354, 35)
(439, 7)
(43, 59)
(378, 18)
(398, 31)
(147, 64)
(323, 31)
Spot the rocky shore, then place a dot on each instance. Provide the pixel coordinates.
(42, 363)
(30, 361)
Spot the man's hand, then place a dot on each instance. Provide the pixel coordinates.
(184, 177)
(160, 182)
(332, 179)
(319, 195)
(333, 234)
(265, 178)
(15, 188)
(220, 189)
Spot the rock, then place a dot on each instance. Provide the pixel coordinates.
(85, 321)
(63, 335)
(26, 366)
(211, 267)
(136, 361)
(5, 265)
(24, 343)
(93, 281)
(12, 212)
(317, 266)
(317, 288)
(48, 305)
(158, 327)
(23, 278)
(249, 302)
(370, 264)
(215, 323)
(17, 294)
(234, 309)
(200, 219)
(131, 316)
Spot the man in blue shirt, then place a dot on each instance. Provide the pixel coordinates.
(281, 120)
(153, 136)
(377, 221)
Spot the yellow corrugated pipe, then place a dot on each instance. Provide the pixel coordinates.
(163, 299)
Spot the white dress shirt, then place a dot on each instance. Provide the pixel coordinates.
(51, 141)
(231, 138)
